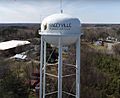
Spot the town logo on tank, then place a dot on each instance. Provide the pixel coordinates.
(60, 26)
(45, 26)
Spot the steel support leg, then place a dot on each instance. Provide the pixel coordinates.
(60, 70)
(78, 68)
(41, 64)
(44, 73)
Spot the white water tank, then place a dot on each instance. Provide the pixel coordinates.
(61, 26)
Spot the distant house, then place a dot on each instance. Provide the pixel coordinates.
(20, 57)
(111, 39)
(98, 43)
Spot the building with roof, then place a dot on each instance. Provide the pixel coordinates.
(12, 47)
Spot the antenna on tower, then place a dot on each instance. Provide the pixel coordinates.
(61, 9)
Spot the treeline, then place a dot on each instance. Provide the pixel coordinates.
(100, 32)
(18, 33)
(11, 84)
(100, 74)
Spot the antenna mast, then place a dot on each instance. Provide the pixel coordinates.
(61, 9)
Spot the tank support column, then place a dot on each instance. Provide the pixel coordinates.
(41, 64)
(78, 68)
(44, 76)
(60, 69)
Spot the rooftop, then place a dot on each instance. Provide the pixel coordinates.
(12, 44)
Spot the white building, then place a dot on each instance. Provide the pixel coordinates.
(12, 44)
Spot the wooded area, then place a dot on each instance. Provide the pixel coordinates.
(100, 70)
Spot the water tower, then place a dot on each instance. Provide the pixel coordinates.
(59, 30)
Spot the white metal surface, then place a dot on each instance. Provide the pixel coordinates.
(60, 30)
(51, 93)
(41, 64)
(60, 69)
(44, 76)
(52, 75)
(78, 68)
(65, 40)
(69, 94)
(42, 84)
(58, 25)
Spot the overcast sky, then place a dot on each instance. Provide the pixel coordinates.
(33, 11)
